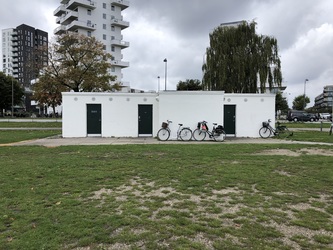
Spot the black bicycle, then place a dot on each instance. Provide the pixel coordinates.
(217, 133)
(267, 130)
(183, 133)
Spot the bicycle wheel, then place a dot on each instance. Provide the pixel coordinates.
(220, 137)
(199, 135)
(265, 132)
(185, 134)
(283, 132)
(163, 134)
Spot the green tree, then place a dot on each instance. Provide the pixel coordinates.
(189, 84)
(6, 92)
(238, 59)
(281, 103)
(299, 103)
(48, 92)
(78, 63)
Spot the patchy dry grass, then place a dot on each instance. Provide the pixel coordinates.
(220, 196)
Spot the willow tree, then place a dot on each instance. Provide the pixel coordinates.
(238, 59)
(78, 63)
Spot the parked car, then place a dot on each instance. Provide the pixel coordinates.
(325, 116)
(299, 115)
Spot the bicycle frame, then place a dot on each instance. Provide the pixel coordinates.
(185, 136)
(212, 134)
(280, 130)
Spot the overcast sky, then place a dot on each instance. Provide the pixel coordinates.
(179, 31)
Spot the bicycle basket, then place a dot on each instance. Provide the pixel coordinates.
(265, 124)
(164, 125)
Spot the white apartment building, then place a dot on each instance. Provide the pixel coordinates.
(99, 18)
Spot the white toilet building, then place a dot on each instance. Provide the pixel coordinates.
(141, 114)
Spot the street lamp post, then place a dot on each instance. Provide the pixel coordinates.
(304, 93)
(158, 84)
(166, 69)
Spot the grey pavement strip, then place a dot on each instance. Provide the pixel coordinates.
(57, 141)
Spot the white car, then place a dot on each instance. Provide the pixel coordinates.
(325, 115)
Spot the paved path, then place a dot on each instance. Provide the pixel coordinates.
(59, 141)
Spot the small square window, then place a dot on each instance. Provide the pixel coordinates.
(104, 16)
(113, 8)
(104, 37)
(89, 12)
(104, 5)
(104, 26)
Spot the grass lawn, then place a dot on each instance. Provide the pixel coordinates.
(318, 125)
(10, 136)
(187, 196)
(30, 124)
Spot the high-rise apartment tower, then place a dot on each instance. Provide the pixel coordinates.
(19, 46)
(99, 18)
(19, 57)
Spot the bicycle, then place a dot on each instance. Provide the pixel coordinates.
(267, 130)
(183, 133)
(217, 133)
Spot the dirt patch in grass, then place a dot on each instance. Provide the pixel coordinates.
(223, 208)
(286, 152)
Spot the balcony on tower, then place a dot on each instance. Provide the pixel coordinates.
(60, 10)
(121, 3)
(120, 43)
(119, 63)
(60, 30)
(73, 26)
(119, 23)
(73, 4)
(67, 18)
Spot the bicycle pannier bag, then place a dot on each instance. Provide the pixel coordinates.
(164, 125)
(219, 129)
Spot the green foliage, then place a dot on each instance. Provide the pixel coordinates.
(78, 63)
(299, 103)
(47, 91)
(235, 58)
(6, 91)
(281, 103)
(189, 84)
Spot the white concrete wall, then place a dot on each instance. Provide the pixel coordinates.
(120, 111)
(190, 107)
(251, 111)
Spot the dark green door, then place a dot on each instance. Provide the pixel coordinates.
(230, 119)
(145, 120)
(94, 119)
